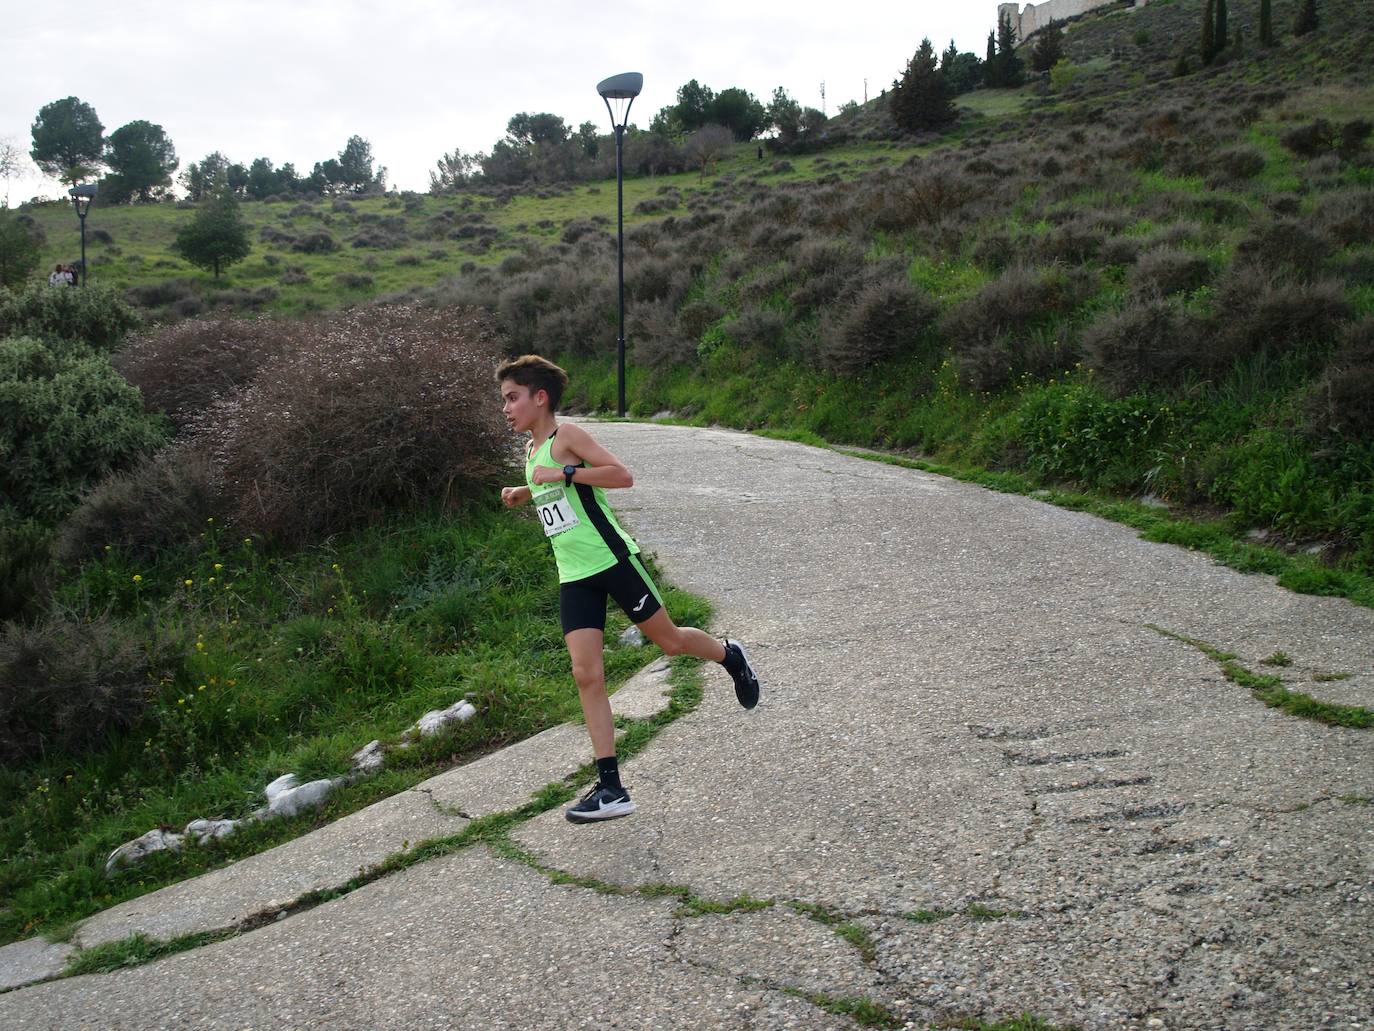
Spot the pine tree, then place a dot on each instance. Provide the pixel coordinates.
(1221, 36)
(1266, 32)
(922, 102)
(1307, 19)
(990, 65)
(1209, 45)
(217, 236)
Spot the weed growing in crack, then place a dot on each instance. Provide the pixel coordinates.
(134, 951)
(1326, 678)
(1355, 799)
(861, 1010)
(1279, 658)
(1270, 689)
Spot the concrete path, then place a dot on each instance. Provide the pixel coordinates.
(979, 784)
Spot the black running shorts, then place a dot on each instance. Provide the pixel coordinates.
(582, 603)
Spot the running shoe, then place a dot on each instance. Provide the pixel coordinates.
(746, 680)
(601, 803)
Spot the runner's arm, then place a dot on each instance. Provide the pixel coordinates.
(602, 469)
(513, 497)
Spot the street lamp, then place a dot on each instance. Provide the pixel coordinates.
(81, 200)
(623, 87)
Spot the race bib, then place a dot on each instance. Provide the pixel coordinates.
(555, 512)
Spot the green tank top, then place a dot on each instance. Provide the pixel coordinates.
(579, 523)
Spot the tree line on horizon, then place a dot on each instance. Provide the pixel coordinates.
(138, 160)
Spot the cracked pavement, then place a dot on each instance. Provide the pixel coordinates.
(971, 746)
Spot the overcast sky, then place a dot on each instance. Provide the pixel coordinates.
(418, 78)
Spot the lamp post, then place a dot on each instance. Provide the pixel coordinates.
(623, 87)
(81, 200)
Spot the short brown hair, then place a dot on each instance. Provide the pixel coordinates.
(537, 373)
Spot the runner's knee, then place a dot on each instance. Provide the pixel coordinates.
(588, 674)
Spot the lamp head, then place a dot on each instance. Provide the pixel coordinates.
(625, 86)
(82, 196)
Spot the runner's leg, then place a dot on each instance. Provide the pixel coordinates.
(585, 649)
(681, 640)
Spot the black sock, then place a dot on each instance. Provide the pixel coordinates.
(733, 661)
(608, 772)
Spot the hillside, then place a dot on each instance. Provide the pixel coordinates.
(1126, 276)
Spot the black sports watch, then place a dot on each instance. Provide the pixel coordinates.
(568, 471)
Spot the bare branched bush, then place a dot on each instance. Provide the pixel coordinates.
(1150, 341)
(888, 318)
(1286, 244)
(1258, 310)
(1009, 327)
(1348, 215)
(182, 368)
(69, 682)
(365, 412)
(1168, 270)
(316, 243)
(1341, 402)
(162, 503)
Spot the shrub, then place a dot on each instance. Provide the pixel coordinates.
(579, 228)
(1235, 164)
(757, 328)
(68, 683)
(293, 275)
(1285, 244)
(66, 419)
(1341, 402)
(658, 341)
(1168, 270)
(1150, 341)
(654, 278)
(161, 503)
(695, 317)
(365, 412)
(1010, 326)
(92, 315)
(1260, 311)
(163, 294)
(353, 280)
(273, 235)
(316, 243)
(1348, 215)
(25, 547)
(888, 318)
(181, 369)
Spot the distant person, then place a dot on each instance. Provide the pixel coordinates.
(73, 276)
(567, 474)
(60, 276)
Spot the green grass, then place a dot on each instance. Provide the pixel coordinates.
(1272, 691)
(292, 662)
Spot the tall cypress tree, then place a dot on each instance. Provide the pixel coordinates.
(1266, 23)
(1221, 38)
(1306, 20)
(1209, 19)
(1012, 72)
(990, 65)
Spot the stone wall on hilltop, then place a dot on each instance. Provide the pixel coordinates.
(1037, 16)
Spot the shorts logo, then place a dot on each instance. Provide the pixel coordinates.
(641, 604)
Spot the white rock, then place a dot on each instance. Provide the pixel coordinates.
(633, 636)
(131, 852)
(296, 800)
(368, 759)
(435, 720)
(284, 783)
(206, 831)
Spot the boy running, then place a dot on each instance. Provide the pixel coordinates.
(567, 474)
